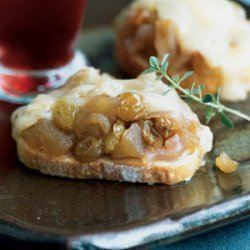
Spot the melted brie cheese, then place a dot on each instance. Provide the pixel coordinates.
(218, 30)
(79, 92)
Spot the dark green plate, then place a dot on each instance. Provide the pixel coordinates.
(116, 215)
(76, 214)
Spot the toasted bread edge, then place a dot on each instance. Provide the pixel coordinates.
(67, 166)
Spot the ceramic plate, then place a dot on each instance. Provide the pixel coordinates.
(90, 214)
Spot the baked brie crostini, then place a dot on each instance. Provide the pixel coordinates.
(99, 127)
(209, 37)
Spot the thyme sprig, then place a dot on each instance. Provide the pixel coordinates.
(212, 102)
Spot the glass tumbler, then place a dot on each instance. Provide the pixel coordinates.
(37, 46)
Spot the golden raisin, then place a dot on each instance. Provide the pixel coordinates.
(131, 107)
(226, 164)
(88, 149)
(63, 115)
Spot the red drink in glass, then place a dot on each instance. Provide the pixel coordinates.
(35, 36)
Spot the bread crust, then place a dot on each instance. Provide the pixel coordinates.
(67, 166)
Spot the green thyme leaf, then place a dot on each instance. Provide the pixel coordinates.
(212, 102)
(193, 86)
(226, 121)
(186, 75)
(201, 87)
(210, 114)
(217, 96)
(176, 78)
(165, 58)
(207, 98)
(164, 68)
(194, 91)
(154, 62)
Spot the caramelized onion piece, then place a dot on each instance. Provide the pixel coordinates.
(167, 127)
(150, 135)
(95, 125)
(226, 164)
(172, 149)
(45, 137)
(131, 143)
(163, 126)
(88, 149)
(63, 115)
(102, 104)
(131, 107)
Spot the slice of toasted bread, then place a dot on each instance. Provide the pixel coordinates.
(45, 144)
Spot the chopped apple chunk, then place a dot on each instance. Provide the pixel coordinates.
(46, 137)
(131, 144)
(94, 124)
(101, 104)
